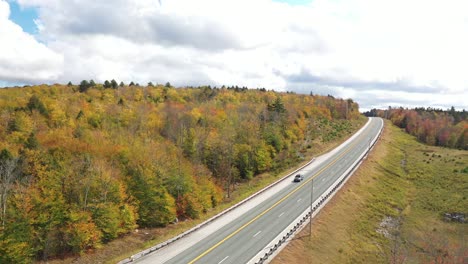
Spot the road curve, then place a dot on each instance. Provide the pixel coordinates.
(251, 230)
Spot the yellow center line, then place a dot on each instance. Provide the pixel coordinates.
(278, 202)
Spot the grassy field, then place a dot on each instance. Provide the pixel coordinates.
(141, 239)
(392, 210)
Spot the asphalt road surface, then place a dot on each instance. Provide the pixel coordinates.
(243, 237)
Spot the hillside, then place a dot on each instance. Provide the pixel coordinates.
(401, 206)
(84, 165)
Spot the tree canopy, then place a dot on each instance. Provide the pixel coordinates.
(88, 165)
(446, 128)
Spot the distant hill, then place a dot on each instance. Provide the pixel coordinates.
(82, 165)
(436, 127)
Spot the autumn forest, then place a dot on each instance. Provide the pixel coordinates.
(436, 127)
(81, 165)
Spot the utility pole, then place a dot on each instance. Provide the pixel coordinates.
(311, 208)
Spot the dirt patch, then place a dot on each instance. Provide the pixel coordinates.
(388, 226)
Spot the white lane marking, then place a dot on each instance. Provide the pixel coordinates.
(299, 200)
(281, 214)
(223, 259)
(257, 233)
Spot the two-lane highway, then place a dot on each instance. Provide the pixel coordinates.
(242, 238)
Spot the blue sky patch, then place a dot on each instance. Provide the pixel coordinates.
(24, 17)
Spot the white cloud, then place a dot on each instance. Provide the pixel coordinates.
(408, 52)
(22, 57)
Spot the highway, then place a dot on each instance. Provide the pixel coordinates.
(242, 237)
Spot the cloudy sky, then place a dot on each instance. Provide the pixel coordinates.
(380, 53)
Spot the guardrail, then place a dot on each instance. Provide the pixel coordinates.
(283, 238)
(176, 238)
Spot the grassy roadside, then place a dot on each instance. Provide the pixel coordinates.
(391, 210)
(139, 240)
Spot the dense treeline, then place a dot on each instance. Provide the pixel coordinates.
(437, 127)
(81, 165)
